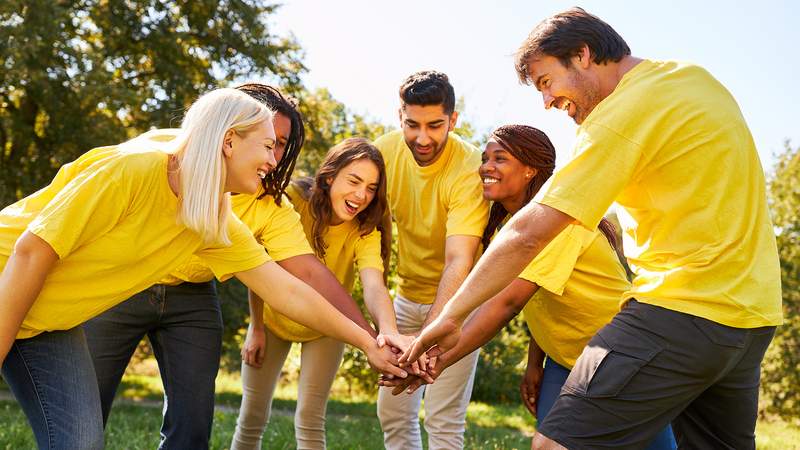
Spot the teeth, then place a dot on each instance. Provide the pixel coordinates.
(488, 180)
(262, 174)
(352, 205)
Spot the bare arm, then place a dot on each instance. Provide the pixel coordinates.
(20, 284)
(377, 299)
(459, 255)
(299, 302)
(311, 271)
(519, 241)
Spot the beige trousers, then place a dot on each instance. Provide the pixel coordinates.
(319, 362)
(445, 401)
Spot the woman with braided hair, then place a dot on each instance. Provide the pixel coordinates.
(567, 293)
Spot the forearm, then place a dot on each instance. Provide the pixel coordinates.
(311, 271)
(20, 284)
(299, 302)
(535, 354)
(453, 275)
(519, 241)
(480, 329)
(379, 304)
(256, 310)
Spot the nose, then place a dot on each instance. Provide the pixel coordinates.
(271, 162)
(360, 194)
(548, 100)
(423, 138)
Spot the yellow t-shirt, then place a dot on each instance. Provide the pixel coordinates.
(347, 251)
(275, 227)
(112, 219)
(430, 204)
(672, 148)
(580, 283)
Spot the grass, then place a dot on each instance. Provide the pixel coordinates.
(352, 423)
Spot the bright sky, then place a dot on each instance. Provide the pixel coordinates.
(362, 50)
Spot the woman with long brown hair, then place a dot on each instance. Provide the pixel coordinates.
(341, 211)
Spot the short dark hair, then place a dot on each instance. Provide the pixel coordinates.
(428, 87)
(564, 35)
(275, 182)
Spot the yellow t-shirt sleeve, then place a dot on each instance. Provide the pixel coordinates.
(283, 236)
(88, 206)
(590, 182)
(467, 212)
(552, 268)
(368, 251)
(243, 254)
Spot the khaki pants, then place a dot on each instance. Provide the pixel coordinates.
(445, 401)
(318, 365)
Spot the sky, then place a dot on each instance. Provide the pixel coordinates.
(362, 50)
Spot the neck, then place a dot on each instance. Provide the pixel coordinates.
(514, 204)
(612, 73)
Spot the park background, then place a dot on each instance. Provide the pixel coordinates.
(80, 74)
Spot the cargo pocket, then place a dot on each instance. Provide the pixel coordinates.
(608, 362)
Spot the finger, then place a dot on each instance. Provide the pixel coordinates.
(432, 361)
(259, 356)
(414, 386)
(381, 340)
(413, 352)
(394, 370)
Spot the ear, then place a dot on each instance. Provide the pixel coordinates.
(584, 57)
(453, 120)
(531, 172)
(400, 115)
(227, 143)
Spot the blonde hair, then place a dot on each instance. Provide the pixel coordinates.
(204, 205)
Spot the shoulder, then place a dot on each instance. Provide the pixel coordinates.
(465, 158)
(390, 142)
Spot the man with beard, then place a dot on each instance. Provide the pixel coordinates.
(668, 143)
(434, 195)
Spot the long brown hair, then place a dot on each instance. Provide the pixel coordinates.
(533, 148)
(317, 191)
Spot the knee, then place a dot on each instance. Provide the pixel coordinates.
(542, 442)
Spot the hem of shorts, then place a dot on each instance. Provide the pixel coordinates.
(564, 442)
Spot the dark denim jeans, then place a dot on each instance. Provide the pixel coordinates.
(554, 377)
(51, 376)
(184, 326)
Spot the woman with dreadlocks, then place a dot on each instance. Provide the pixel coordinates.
(181, 315)
(567, 293)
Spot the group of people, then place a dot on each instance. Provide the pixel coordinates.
(127, 239)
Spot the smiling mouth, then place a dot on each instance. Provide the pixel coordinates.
(351, 207)
(489, 180)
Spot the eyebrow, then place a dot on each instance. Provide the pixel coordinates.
(435, 122)
(356, 176)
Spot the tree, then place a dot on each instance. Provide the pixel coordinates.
(781, 378)
(80, 74)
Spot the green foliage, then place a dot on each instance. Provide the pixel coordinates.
(77, 75)
(501, 364)
(781, 377)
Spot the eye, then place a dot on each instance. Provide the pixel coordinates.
(372, 189)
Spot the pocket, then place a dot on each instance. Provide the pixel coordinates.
(609, 362)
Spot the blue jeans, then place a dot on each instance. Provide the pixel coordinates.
(184, 326)
(553, 379)
(52, 378)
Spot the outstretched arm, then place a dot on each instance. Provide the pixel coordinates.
(299, 302)
(519, 241)
(20, 284)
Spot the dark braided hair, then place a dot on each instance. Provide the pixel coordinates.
(533, 148)
(275, 182)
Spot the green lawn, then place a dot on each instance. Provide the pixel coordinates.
(352, 423)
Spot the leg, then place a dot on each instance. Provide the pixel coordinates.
(724, 415)
(187, 344)
(52, 377)
(112, 338)
(258, 386)
(399, 415)
(319, 362)
(446, 404)
(636, 375)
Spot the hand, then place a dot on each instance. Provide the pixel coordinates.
(530, 385)
(254, 345)
(383, 360)
(400, 343)
(414, 382)
(443, 332)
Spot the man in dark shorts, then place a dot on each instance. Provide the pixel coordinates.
(668, 143)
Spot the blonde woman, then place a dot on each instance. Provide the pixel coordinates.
(117, 220)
